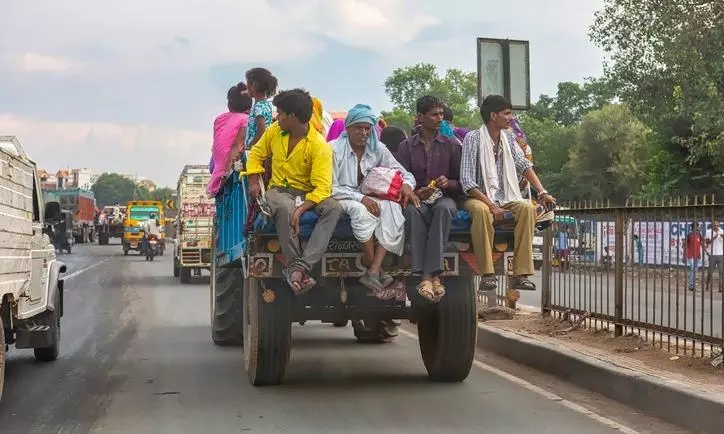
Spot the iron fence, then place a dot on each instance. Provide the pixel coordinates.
(647, 268)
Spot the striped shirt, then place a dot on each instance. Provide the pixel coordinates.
(471, 175)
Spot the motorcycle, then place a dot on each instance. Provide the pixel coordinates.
(152, 247)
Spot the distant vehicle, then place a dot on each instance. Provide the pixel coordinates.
(194, 222)
(82, 203)
(114, 226)
(31, 286)
(60, 230)
(138, 212)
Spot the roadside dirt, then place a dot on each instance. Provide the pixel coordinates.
(629, 350)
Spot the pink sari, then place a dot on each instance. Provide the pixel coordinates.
(226, 127)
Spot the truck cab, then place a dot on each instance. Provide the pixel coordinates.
(31, 286)
(137, 212)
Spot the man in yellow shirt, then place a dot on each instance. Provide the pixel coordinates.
(301, 180)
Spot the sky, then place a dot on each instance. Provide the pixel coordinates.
(133, 86)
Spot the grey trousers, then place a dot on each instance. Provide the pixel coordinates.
(281, 202)
(715, 261)
(428, 228)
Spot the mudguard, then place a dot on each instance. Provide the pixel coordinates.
(55, 298)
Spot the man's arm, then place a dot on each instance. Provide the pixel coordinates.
(340, 187)
(321, 174)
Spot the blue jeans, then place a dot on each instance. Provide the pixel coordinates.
(693, 266)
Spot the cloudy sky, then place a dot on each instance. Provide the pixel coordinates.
(133, 85)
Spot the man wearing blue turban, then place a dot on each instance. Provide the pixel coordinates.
(356, 152)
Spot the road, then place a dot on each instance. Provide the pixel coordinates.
(137, 358)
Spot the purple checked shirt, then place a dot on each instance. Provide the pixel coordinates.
(442, 160)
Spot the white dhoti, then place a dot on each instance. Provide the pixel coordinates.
(388, 228)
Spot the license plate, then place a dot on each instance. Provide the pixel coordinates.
(134, 245)
(153, 242)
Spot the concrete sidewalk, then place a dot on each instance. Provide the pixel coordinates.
(692, 403)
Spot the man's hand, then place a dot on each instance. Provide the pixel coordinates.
(409, 196)
(371, 206)
(424, 192)
(498, 212)
(546, 199)
(441, 182)
(254, 187)
(294, 222)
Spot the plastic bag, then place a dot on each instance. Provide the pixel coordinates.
(384, 183)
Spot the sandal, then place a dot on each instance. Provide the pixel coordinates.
(488, 283)
(371, 282)
(438, 288)
(426, 289)
(524, 284)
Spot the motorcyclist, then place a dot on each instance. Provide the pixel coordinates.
(150, 227)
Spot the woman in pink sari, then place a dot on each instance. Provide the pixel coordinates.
(229, 134)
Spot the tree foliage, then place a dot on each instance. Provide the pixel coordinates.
(665, 59)
(456, 88)
(113, 188)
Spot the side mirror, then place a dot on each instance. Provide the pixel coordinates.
(52, 211)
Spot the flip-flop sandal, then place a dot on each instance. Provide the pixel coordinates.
(438, 288)
(426, 290)
(488, 283)
(370, 282)
(524, 284)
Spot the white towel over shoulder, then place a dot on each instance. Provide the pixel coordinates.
(510, 187)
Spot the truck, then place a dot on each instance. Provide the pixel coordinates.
(252, 305)
(137, 212)
(114, 226)
(80, 202)
(31, 282)
(194, 221)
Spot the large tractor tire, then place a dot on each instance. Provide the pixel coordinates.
(227, 310)
(267, 330)
(448, 331)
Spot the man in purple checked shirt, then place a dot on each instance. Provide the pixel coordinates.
(434, 160)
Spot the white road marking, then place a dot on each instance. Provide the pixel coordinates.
(83, 270)
(544, 393)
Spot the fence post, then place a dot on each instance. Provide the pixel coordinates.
(545, 299)
(619, 265)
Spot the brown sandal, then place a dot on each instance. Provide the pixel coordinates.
(438, 288)
(426, 289)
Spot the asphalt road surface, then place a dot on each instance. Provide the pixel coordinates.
(136, 357)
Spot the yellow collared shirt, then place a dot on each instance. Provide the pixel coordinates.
(308, 168)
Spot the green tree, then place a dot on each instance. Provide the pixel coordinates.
(572, 101)
(456, 88)
(666, 63)
(163, 194)
(551, 143)
(112, 188)
(610, 155)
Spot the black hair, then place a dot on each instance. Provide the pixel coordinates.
(392, 137)
(237, 101)
(428, 102)
(447, 113)
(295, 102)
(264, 81)
(494, 104)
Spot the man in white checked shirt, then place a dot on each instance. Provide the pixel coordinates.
(490, 168)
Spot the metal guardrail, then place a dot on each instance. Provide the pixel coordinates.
(628, 267)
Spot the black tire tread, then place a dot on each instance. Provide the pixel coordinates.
(269, 337)
(448, 332)
(228, 321)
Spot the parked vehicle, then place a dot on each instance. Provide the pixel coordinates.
(194, 221)
(31, 286)
(82, 204)
(60, 230)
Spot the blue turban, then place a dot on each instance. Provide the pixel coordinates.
(362, 113)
